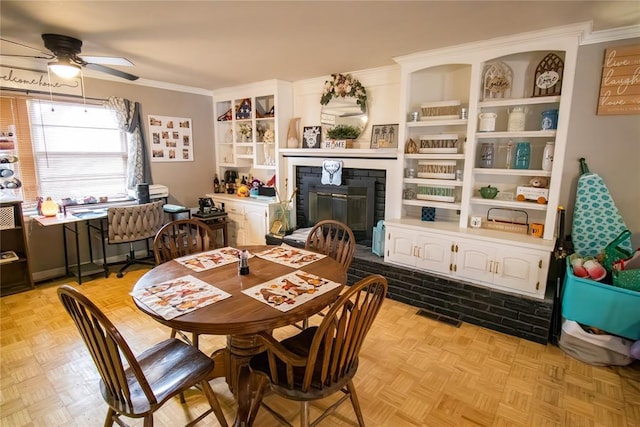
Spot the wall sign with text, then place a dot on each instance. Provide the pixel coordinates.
(170, 139)
(26, 80)
(620, 84)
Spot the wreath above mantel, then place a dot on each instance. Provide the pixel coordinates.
(344, 85)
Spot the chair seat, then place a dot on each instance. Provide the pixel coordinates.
(300, 345)
(170, 367)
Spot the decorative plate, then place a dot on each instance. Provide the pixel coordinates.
(547, 79)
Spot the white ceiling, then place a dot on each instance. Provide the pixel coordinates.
(214, 44)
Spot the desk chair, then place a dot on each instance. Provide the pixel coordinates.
(320, 360)
(158, 374)
(334, 239)
(180, 238)
(131, 224)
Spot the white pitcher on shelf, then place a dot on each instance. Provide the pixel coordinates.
(487, 122)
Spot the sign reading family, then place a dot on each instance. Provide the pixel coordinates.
(26, 80)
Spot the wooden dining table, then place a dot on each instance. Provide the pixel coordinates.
(240, 317)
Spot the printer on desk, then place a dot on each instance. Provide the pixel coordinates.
(146, 192)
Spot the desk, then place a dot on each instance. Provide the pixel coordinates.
(94, 216)
(69, 224)
(240, 317)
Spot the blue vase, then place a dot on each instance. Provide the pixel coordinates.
(549, 120)
(523, 155)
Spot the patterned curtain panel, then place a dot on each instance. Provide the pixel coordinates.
(129, 120)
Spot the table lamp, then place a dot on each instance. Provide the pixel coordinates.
(49, 207)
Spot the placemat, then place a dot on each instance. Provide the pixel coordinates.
(179, 296)
(289, 291)
(210, 259)
(290, 256)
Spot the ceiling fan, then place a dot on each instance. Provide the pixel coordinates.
(66, 59)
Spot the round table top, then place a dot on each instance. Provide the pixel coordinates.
(241, 314)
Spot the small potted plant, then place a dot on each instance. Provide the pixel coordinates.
(342, 136)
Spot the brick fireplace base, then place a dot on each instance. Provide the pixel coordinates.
(515, 315)
(520, 316)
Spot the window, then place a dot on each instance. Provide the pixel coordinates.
(78, 150)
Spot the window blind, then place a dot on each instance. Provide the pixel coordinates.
(79, 150)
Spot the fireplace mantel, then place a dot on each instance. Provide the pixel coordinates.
(384, 159)
(361, 153)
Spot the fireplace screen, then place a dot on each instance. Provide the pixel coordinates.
(350, 209)
(351, 204)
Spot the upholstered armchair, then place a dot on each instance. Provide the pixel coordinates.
(130, 224)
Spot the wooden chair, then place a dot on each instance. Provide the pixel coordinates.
(320, 360)
(180, 238)
(159, 373)
(334, 239)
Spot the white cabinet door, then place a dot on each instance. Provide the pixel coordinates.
(255, 224)
(236, 225)
(518, 270)
(434, 253)
(400, 246)
(504, 266)
(475, 261)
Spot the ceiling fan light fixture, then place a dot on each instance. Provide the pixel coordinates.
(64, 68)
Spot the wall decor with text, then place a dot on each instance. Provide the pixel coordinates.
(26, 80)
(170, 139)
(620, 83)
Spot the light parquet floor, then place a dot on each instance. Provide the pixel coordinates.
(413, 371)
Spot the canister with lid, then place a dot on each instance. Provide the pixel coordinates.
(516, 121)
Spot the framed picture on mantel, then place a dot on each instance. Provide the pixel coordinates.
(384, 136)
(311, 137)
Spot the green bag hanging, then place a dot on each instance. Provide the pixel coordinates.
(615, 252)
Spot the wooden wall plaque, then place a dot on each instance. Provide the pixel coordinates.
(620, 83)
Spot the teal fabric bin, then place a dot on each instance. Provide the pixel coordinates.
(612, 309)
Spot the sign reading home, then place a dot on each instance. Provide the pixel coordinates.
(620, 85)
(38, 81)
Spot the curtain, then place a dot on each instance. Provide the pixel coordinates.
(129, 120)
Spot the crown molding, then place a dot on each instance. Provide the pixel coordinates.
(603, 36)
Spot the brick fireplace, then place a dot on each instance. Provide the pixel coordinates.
(359, 201)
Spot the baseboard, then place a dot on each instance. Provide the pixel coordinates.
(54, 273)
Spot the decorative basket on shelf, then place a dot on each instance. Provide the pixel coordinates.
(436, 193)
(442, 143)
(438, 169)
(440, 110)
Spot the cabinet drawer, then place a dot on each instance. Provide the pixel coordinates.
(233, 208)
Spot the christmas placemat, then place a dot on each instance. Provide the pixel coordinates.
(289, 291)
(179, 296)
(290, 256)
(210, 259)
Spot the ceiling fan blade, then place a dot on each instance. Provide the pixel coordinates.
(48, 55)
(107, 60)
(27, 56)
(112, 71)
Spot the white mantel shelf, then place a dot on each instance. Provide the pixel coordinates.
(362, 153)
